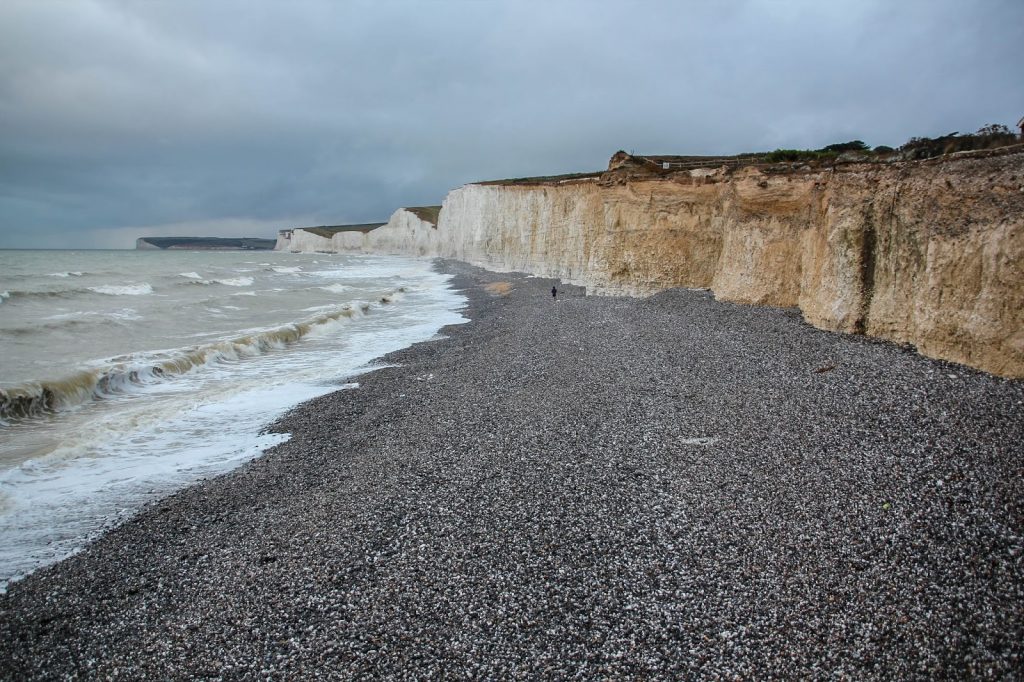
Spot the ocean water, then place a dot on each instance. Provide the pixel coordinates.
(125, 375)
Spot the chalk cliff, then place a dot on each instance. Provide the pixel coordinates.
(409, 232)
(298, 240)
(929, 253)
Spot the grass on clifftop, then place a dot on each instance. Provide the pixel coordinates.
(542, 179)
(428, 214)
(328, 231)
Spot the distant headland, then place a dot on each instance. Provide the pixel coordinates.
(205, 243)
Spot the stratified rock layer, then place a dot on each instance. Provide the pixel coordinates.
(928, 253)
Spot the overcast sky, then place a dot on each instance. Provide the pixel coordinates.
(128, 118)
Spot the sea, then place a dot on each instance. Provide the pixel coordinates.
(126, 375)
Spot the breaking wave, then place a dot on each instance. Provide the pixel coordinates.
(55, 325)
(194, 278)
(66, 274)
(69, 321)
(17, 294)
(128, 374)
(140, 289)
(336, 288)
(123, 289)
(236, 281)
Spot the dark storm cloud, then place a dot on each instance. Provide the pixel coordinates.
(123, 117)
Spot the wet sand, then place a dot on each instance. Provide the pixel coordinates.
(595, 486)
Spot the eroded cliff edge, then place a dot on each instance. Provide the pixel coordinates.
(929, 253)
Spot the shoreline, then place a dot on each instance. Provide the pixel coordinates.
(609, 486)
(116, 421)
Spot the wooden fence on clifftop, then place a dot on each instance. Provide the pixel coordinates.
(689, 163)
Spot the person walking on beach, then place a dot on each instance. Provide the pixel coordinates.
(554, 293)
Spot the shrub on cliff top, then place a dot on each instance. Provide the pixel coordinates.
(795, 155)
(851, 146)
(827, 153)
(991, 136)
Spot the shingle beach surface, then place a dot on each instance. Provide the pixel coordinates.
(595, 487)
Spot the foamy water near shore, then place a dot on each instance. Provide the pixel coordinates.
(128, 374)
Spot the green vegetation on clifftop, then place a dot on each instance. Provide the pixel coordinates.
(429, 214)
(328, 231)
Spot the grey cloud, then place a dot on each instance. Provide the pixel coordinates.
(116, 114)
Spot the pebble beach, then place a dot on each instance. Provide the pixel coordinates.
(589, 487)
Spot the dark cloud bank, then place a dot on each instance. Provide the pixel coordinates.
(123, 118)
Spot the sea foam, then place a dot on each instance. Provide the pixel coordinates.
(110, 407)
(123, 289)
(236, 281)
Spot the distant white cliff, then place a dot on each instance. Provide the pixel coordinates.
(409, 232)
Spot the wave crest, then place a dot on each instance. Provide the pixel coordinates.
(336, 288)
(236, 281)
(128, 374)
(69, 321)
(123, 289)
(18, 294)
(230, 282)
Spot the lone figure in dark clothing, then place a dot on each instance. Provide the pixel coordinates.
(554, 293)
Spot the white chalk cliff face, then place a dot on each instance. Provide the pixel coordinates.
(302, 241)
(928, 253)
(404, 234)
